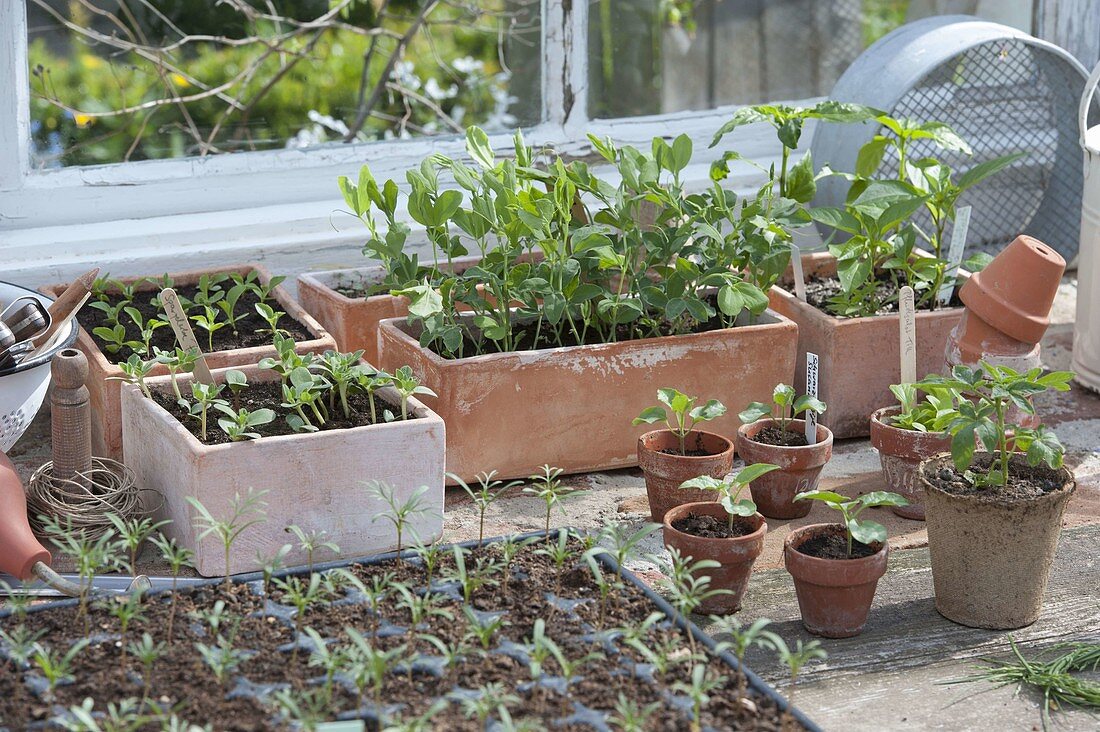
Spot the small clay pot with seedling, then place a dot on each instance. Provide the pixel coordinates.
(728, 532)
(909, 433)
(772, 434)
(999, 508)
(836, 567)
(678, 453)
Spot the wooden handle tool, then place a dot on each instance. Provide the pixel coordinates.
(67, 304)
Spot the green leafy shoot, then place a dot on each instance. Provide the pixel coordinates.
(931, 414)
(866, 532)
(244, 512)
(784, 407)
(685, 414)
(729, 489)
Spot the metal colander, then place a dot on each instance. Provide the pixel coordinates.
(1004, 92)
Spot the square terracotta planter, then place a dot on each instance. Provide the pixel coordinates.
(353, 321)
(104, 393)
(315, 480)
(860, 357)
(572, 407)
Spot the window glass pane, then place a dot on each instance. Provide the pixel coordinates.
(654, 56)
(119, 80)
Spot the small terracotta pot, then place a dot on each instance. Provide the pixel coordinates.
(900, 453)
(834, 595)
(665, 472)
(799, 468)
(991, 558)
(735, 554)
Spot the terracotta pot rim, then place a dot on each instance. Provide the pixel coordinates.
(877, 418)
(774, 321)
(795, 535)
(743, 431)
(709, 508)
(994, 501)
(686, 458)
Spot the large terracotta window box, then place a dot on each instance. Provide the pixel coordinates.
(314, 480)
(572, 407)
(102, 373)
(860, 357)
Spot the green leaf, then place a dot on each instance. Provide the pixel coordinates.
(867, 532)
(837, 218)
(743, 116)
(801, 185)
(870, 157)
(743, 507)
(260, 416)
(477, 145)
(963, 446)
(445, 207)
(882, 498)
(703, 483)
(783, 395)
(826, 496)
(755, 411)
(713, 409)
(681, 153)
(751, 472)
(650, 415)
(807, 402)
(981, 171)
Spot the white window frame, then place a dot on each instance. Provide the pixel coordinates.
(281, 206)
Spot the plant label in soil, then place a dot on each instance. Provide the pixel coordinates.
(351, 725)
(799, 275)
(812, 366)
(954, 255)
(177, 318)
(908, 335)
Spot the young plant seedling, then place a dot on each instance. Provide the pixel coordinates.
(311, 542)
(270, 565)
(177, 557)
(135, 369)
(795, 659)
(931, 414)
(865, 532)
(147, 652)
(689, 585)
(729, 489)
(984, 413)
(685, 414)
(784, 407)
(240, 425)
(549, 488)
(741, 640)
(407, 385)
(699, 690)
(57, 667)
(177, 361)
(133, 533)
(622, 541)
(304, 390)
(399, 513)
(208, 321)
(630, 716)
(487, 492)
(272, 317)
(125, 610)
(205, 396)
(114, 339)
(89, 556)
(244, 512)
(342, 370)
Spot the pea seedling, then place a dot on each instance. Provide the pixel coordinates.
(784, 407)
(685, 414)
(865, 532)
(729, 489)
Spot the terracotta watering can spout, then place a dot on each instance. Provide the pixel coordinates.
(19, 550)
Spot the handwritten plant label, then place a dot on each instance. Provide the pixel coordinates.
(908, 335)
(177, 318)
(954, 254)
(799, 275)
(812, 368)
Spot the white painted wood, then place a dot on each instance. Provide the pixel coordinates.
(15, 110)
(1072, 24)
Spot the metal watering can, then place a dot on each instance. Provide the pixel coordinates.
(1086, 330)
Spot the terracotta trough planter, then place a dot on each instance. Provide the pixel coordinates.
(860, 357)
(571, 407)
(664, 472)
(991, 558)
(834, 595)
(799, 468)
(105, 394)
(736, 555)
(900, 453)
(314, 480)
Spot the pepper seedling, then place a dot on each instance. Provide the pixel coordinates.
(865, 532)
(931, 414)
(729, 489)
(784, 407)
(685, 414)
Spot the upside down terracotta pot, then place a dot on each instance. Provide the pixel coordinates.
(1008, 307)
(991, 556)
(735, 554)
(900, 453)
(799, 468)
(834, 595)
(665, 469)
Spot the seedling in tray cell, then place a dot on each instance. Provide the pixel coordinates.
(133, 533)
(177, 557)
(487, 492)
(742, 638)
(311, 542)
(89, 556)
(549, 488)
(57, 666)
(397, 512)
(698, 690)
(245, 511)
(685, 414)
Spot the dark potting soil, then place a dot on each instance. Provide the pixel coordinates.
(251, 328)
(693, 447)
(686, 453)
(709, 527)
(819, 290)
(834, 545)
(1025, 482)
(265, 631)
(780, 437)
(269, 395)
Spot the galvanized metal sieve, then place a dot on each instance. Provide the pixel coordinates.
(1004, 91)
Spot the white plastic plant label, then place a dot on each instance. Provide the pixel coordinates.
(907, 332)
(812, 367)
(954, 255)
(799, 275)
